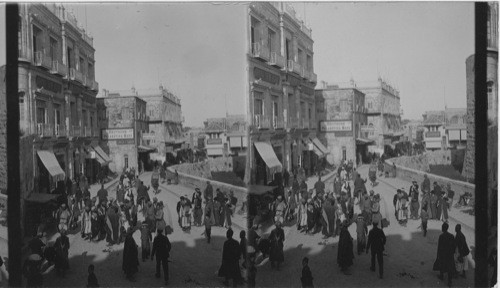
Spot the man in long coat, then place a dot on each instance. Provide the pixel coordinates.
(161, 247)
(209, 191)
(276, 255)
(359, 186)
(461, 262)
(376, 241)
(113, 225)
(209, 219)
(345, 254)
(130, 256)
(414, 204)
(361, 231)
(445, 262)
(426, 184)
(319, 186)
(230, 268)
(328, 215)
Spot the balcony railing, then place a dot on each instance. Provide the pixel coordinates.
(41, 59)
(297, 68)
(38, 58)
(261, 122)
(87, 131)
(277, 60)
(44, 130)
(75, 131)
(260, 51)
(58, 68)
(314, 77)
(22, 55)
(292, 123)
(306, 74)
(278, 122)
(289, 65)
(79, 76)
(72, 72)
(60, 130)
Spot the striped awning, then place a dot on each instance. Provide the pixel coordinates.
(319, 146)
(101, 154)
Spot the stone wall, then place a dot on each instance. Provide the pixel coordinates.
(422, 162)
(3, 133)
(408, 174)
(205, 169)
(469, 162)
(198, 182)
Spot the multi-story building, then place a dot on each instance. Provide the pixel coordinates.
(164, 118)
(383, 109)
(281, 96)
(57, 105)
(123, 121)
(342, 122)
(226, 136)
(445, 129)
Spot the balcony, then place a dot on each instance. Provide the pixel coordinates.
(72, 73)
(305, 73)
(278, 123)
(87, 82)
(95, 132)
(433, 134)
(297, 68)
(292, 123)
(261, 122)
(87, 132)
(277, 60)
(314, 77)
(44, 130)
(22, 55)
(43, 60)
(75, 131)
(58, 68)
(60, 130)
(79, 76)
(289, 65)
(260, 51)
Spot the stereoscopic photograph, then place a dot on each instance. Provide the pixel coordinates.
(260, 144)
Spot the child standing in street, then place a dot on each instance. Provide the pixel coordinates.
(92, 279)
(146, 239)
(424, 215)
(307, 278)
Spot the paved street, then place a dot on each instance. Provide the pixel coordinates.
(193, 261)
(409, 258)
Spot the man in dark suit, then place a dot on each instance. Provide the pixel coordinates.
(376, 240)
(161, 246)
(445, 262)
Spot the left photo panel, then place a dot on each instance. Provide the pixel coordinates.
(133, 143)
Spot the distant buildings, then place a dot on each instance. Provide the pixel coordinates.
(281, 96)
(226, 136)
(445, 129)
(123, 120)
(341, 117)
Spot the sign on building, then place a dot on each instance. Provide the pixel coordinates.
(336, 126)
(116, 134)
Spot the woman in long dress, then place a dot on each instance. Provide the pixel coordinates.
(345, 254)
(87, 224)
(302, 216)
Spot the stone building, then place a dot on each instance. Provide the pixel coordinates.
(341, 122)
(123, 121)
(281, 97)
(226, 136)
(383, 109)
(492, 94)
(164, 119)
(445, 129)
(58, 115)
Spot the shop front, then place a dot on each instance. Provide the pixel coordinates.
(266, 163)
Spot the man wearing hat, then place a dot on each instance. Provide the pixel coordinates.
(62, 247)
(376, 241)
(161, 247)
(64, 217)
(414, 204)
(277, 237)
(197, 210)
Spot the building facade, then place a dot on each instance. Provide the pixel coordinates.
(226, 136)
(445, 129)
(164, 118)
(341, 124)
(123, 121)
(383, 109)
(281, 83)
(492, 93)
(57, 105)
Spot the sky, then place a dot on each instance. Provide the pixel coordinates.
(420, 48)
(195, 50)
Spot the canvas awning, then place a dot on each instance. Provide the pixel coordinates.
(267, 153)
(50, 162)
(319, 146)
(363, 141)
(259, 189)
(101, 153)
(41, 197)
(100, 159)
(145, 149)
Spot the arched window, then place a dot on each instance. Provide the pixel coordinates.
(126, 160)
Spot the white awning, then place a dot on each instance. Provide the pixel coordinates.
(50, 162)
(267, 153)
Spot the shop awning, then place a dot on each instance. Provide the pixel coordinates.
(145, 149)
(50, 162)
(363, 141)
(101, 153)
(319, 146)
(267, 153)
(100, 159)
(41, 197)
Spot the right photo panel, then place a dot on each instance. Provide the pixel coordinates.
(361, 147)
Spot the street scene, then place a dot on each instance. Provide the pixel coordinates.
(255, 144)
(367, 97)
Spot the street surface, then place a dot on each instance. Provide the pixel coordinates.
(194, 262)
(408, 262)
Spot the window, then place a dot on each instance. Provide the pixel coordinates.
(90, 71)
(70, 55)
(84, 118)
(275, 109)
(309, 63)
(254, 31)
(344, 153)
(53, 49)
(81, 67)
(288, 48)
(41, 117)
(300, 56)
(21, 105)
(126, 160)
(20, 35)
(37, 39)
(57, 114)
(491, 98)
(258, 107)
(310, 114)
(271, 40)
